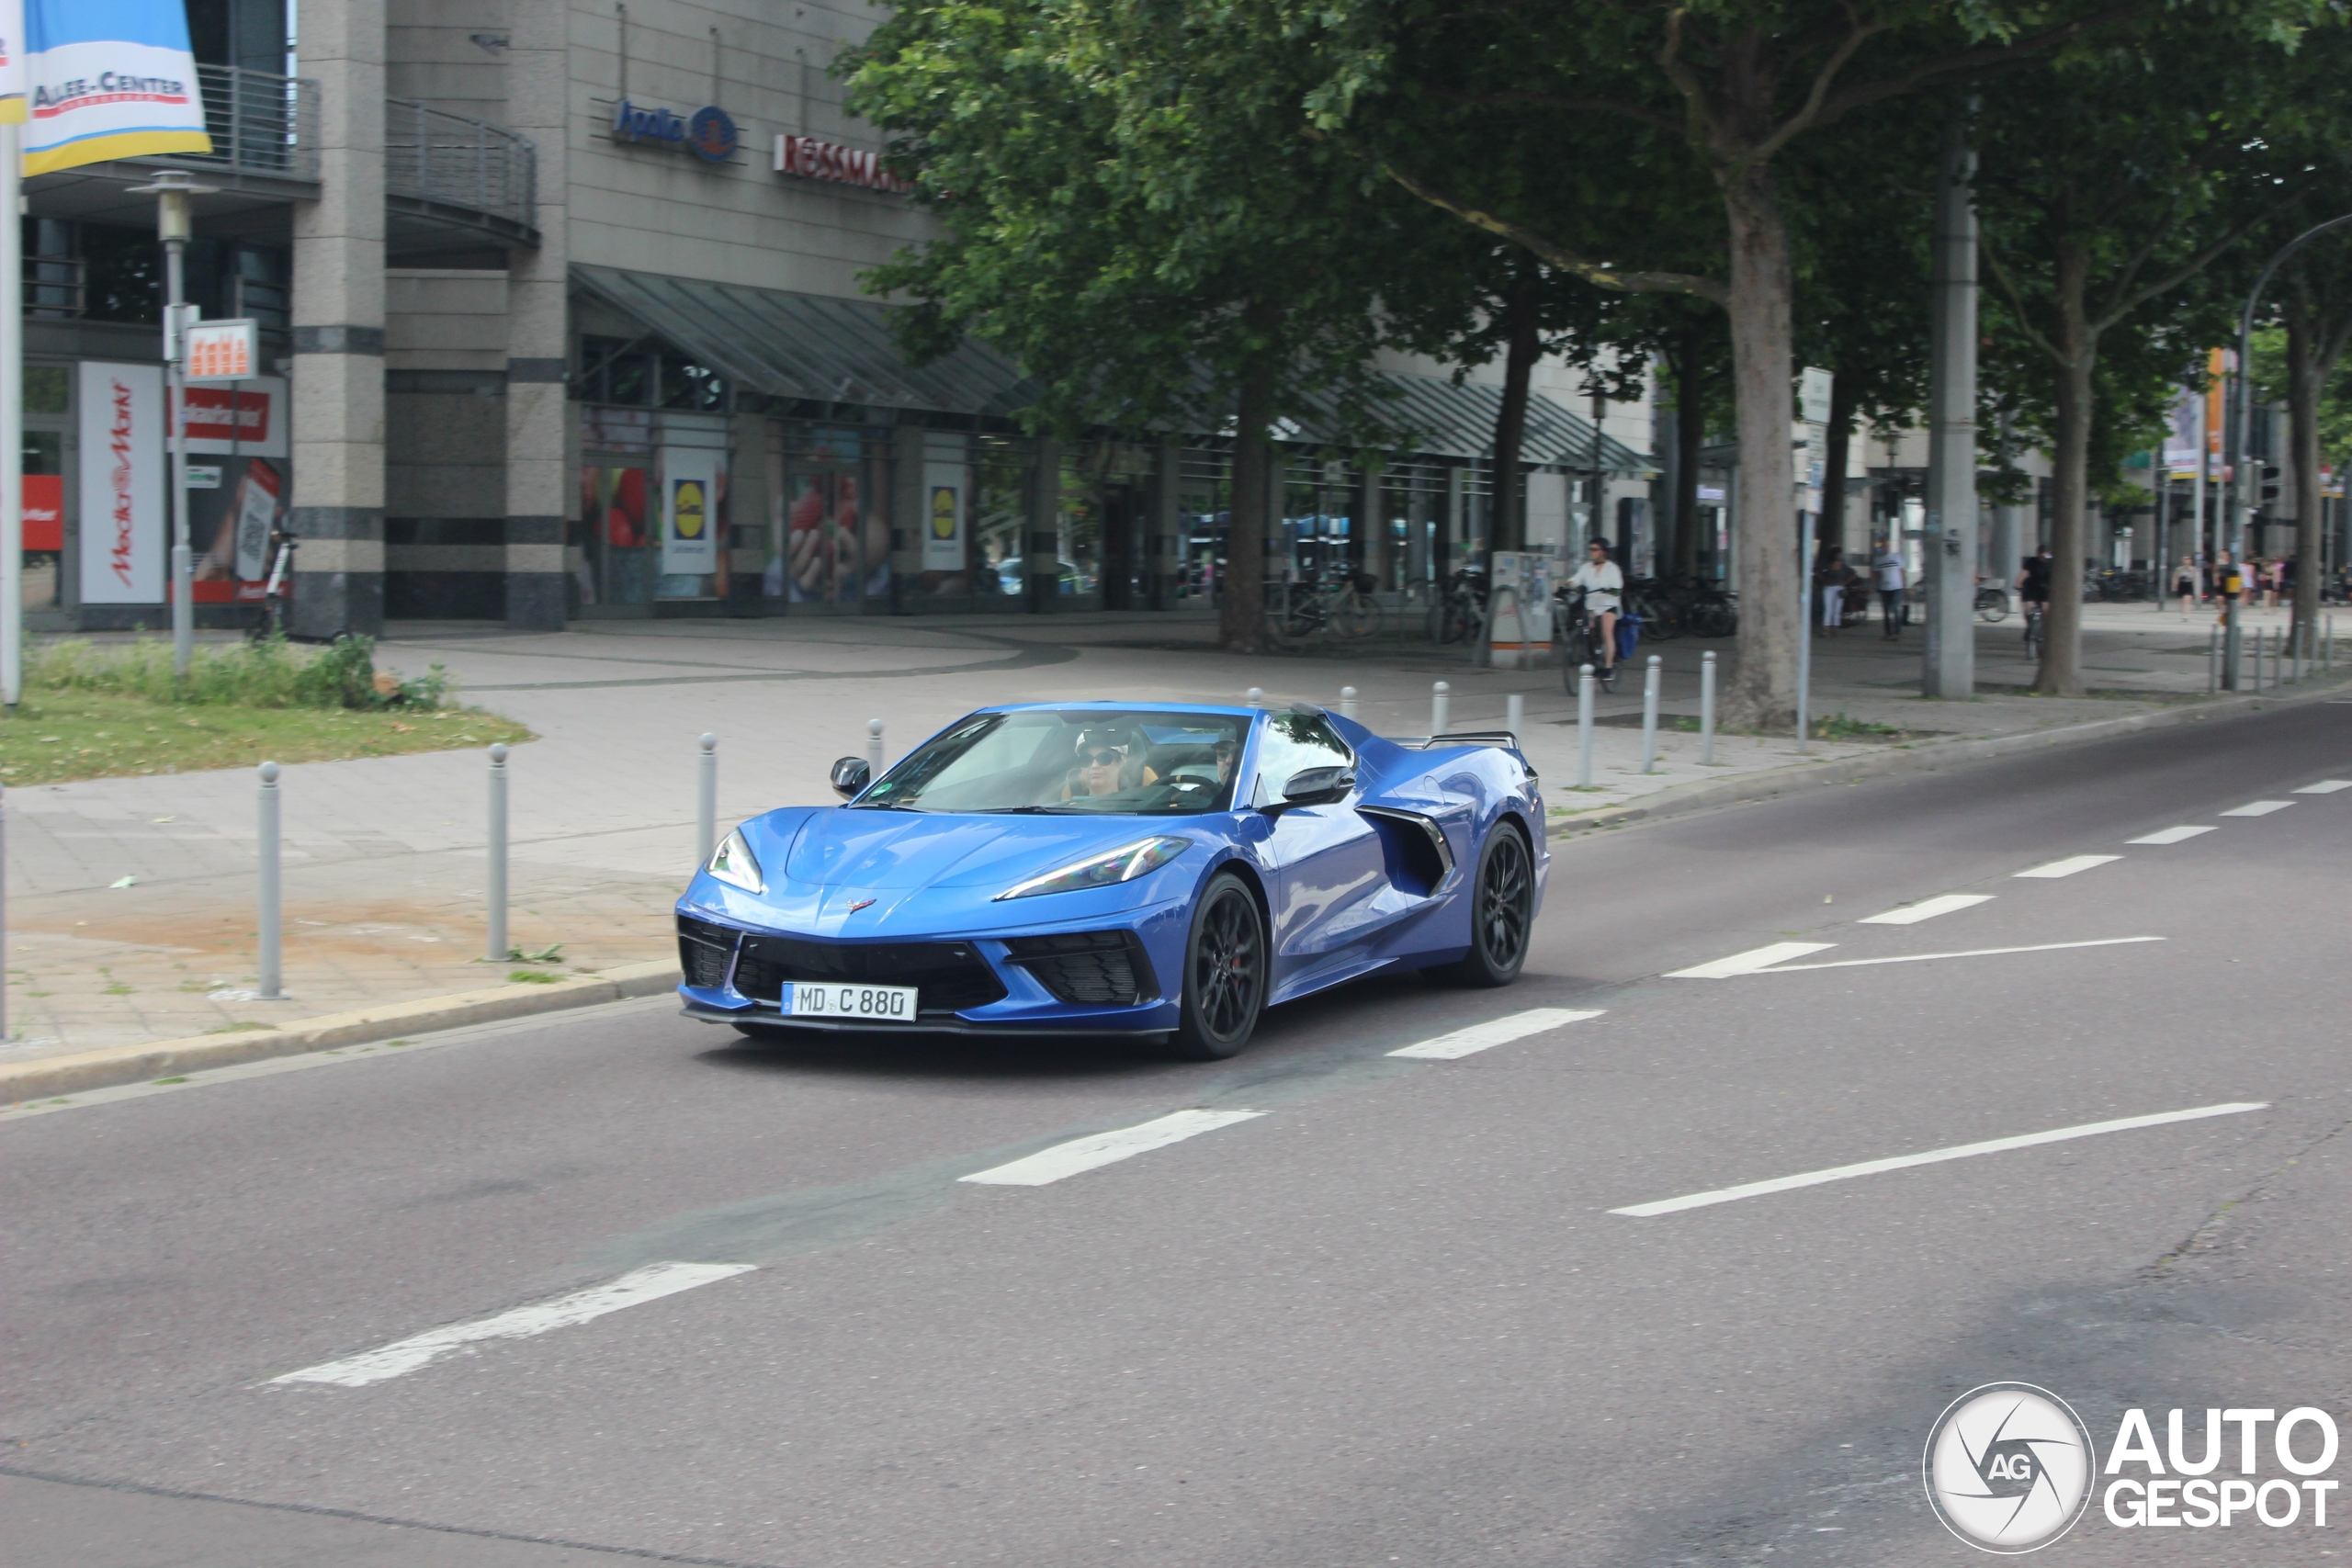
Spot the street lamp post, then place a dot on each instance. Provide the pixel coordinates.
(173, 227)
(2240, 478)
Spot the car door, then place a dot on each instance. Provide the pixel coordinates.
(1325, 860)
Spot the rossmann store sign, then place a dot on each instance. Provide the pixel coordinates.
(812, 159)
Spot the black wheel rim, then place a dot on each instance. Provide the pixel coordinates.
(1505, 892)
(1227, 965)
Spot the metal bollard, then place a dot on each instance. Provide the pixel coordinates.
(873, 746)
(707, 802)
(1651, 680)
(1707, 710)
(3, 912)
(497, 947)
(2212, 660)
(1584, 726)
(1255, 697)
(269, 910)
(1440, 695)
(1515, 713)
(1347, 702)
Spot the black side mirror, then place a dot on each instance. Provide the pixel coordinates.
(851, 775)
(1318, 786)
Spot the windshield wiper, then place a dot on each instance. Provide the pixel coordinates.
(1026, 811)
(882, 805)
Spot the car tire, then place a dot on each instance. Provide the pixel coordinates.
(1502, 913)
(1226, 959)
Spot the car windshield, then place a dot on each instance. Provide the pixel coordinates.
(1071, 761)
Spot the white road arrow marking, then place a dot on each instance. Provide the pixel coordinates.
(1496, 1031)
(1926, 910)
(1106, 1148)
(1932, 1156)
(640, 1285)
(1748, 963)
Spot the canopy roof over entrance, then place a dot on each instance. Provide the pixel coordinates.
(840, 351)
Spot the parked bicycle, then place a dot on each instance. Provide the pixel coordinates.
(1460, 607)
(1346, 608)
(1992, 602)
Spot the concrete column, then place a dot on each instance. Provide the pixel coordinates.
(1951, 546)
(909, 512)
(1372, 527)
(541, 491)
(1165, 525)
(338, 320)
(1044, 529)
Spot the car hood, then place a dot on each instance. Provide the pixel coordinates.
(900, 851)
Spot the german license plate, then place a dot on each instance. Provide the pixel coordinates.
(810, 998)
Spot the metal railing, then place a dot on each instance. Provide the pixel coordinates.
(260, 124)
(433, 155)
(55, 287)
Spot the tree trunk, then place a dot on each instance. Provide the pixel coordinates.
(2061, 654)
(1510, 530)
(1689, 445)
(1761, 693)
(1241, 616)
(2306, 382)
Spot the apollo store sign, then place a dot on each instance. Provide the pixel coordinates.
(709, 134)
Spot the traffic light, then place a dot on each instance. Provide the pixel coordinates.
(2269, 483)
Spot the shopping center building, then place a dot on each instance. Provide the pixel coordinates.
(560, 299)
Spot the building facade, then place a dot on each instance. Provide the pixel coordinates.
(561, 302)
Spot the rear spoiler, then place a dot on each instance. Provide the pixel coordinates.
(1471, 737)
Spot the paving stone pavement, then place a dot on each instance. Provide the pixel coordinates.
(384, 856)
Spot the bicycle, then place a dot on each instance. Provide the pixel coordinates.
(1577, 633)
(271, 624)
(1992, 604)
(1296, 611)
(1460, 607)
(2033, 630)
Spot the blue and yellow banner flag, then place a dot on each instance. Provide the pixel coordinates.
(108, 79)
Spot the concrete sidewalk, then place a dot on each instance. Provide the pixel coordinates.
(384, 864)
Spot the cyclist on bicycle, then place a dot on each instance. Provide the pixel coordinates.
(2033, 587)
(1601, 583)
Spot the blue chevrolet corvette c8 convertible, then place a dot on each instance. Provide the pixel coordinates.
(1161, 870)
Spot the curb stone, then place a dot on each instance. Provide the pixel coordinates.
(76, 1072)
(1919, 757)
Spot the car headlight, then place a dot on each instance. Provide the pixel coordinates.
(1123, 864)
(734, 865)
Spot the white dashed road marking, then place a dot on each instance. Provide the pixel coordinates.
(2257, 808)
(1926, 909)
(640, 1285)
(1748, 963)
(2325, 786)
(1107, 1148)
(2072, 864)
(2169, 835)
(1932, 1156)
(1972, 953)
(1496, 1031)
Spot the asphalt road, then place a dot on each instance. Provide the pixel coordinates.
(1389, 1319)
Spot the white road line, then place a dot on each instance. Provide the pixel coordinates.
(1107, 1148)
(1926, 910)
(1934, 1157)
(2070, 865)
(2325, 786)
(640, 1285)
(1748, 963)
(1972, 953)
(1496, 1031)
(2257, 808)
(2169, 835)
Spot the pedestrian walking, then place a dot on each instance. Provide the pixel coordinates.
(1892, 580)
(1830, 580)
(2184, 584)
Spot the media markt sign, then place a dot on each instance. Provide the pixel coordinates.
(709, 134)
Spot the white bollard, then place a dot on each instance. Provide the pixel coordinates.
(1255, 697)
(1515, 713)
(873, 746)
(1651, 678)
(707, 802)
(2212, 660)
(1439, 696)
(1707, 710)
(1347, 702)
(269, 906)
(4, 913)
(1584, 726)
(497, 947)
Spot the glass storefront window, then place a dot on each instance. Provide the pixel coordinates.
(1001, 516)
(1204, 511)
(828, 493)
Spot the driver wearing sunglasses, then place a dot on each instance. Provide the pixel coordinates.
(1103, 764)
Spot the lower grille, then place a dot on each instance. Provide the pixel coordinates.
(948, 977)
(1094, 967)
(704, 950)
